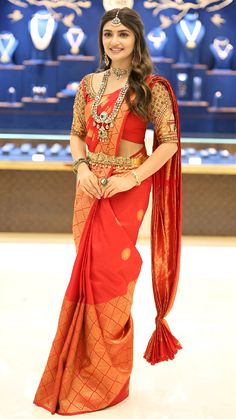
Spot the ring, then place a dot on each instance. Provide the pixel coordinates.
(104, 181)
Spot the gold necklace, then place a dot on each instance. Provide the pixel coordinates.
(191, 37)
(119, 72)
(222, 47)
(104, 121)
(6, 50)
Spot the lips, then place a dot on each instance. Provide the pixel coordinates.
(116, 50)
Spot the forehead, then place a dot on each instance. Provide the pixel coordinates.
(110, 27)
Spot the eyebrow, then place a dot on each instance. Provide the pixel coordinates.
(122, 30)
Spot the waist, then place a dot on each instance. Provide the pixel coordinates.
(118, 162)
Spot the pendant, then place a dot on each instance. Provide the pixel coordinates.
(74, 49)
(5, 57)
(102, 134)
(191, 44)
(103, 116)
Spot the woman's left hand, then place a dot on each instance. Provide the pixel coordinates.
(118, 183)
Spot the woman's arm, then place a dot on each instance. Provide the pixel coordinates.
(162, 117)
(157, 159)
(88, 181)
(77, 147)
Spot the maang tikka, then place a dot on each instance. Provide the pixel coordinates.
(116, 21)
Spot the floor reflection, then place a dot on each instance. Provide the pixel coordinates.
(197, 384)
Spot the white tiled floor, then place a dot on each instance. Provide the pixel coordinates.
(198, 384)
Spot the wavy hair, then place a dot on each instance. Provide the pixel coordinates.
(141, 62)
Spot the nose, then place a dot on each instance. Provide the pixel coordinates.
(115, 40)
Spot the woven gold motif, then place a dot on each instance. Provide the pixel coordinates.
(96, 340)
(161, 114)
(120, 162)
(140, 214)
(78, 123)
(125, 254)
(88, 86)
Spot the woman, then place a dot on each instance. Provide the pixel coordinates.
(90, 362)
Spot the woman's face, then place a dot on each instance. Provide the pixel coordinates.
(118, 43)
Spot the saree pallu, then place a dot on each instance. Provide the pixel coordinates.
(91, 358)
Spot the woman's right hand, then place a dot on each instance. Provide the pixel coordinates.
(89, 182)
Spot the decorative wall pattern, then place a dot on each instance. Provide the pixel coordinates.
(52, 6)
(182, 7)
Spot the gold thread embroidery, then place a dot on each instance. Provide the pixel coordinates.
(88, 86)
(140, 214)
(78, 126)
(161, 114)
(102, 159)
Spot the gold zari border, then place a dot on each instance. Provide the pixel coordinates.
(103, 159)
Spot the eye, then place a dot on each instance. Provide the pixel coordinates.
(124, 34)
(107, 34)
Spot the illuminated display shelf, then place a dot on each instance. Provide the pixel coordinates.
(60, 165)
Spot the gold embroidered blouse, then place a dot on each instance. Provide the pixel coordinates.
(78, 126)
(160, 112)
(161, 115)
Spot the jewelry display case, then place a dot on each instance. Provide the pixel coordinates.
(42, 29)
(42, 53)
(222, 51)
(75, 39)
(37, 171)
(190, 32)
(8, 45)
(73, 68)
(13, 78)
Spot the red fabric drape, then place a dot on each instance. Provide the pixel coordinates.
(166, 225)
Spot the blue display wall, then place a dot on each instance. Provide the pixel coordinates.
(34, 91)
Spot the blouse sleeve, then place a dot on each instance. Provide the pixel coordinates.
(162, 116)
(78, 126)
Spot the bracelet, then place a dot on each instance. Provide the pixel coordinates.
(77, 162)
(136, 177)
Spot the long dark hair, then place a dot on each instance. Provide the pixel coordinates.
(141, 62)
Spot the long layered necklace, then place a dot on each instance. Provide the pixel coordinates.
(41, 42)
(191, 37)
(104, 121)
(222, 48)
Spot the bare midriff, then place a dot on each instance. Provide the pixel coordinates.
(128, 148)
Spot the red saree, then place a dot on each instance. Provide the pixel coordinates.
(91, 358)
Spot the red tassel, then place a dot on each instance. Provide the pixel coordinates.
(163, 345)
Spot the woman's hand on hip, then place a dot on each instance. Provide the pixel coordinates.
(118, 183)
(89, 183)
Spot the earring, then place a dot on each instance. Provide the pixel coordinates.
(133, 59)
(106, 59)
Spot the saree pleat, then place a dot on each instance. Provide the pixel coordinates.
(92, 355)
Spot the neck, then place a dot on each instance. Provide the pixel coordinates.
(124, 65)
(119, 73)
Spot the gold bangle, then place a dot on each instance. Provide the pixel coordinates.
(77, 162)
(134, 174)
